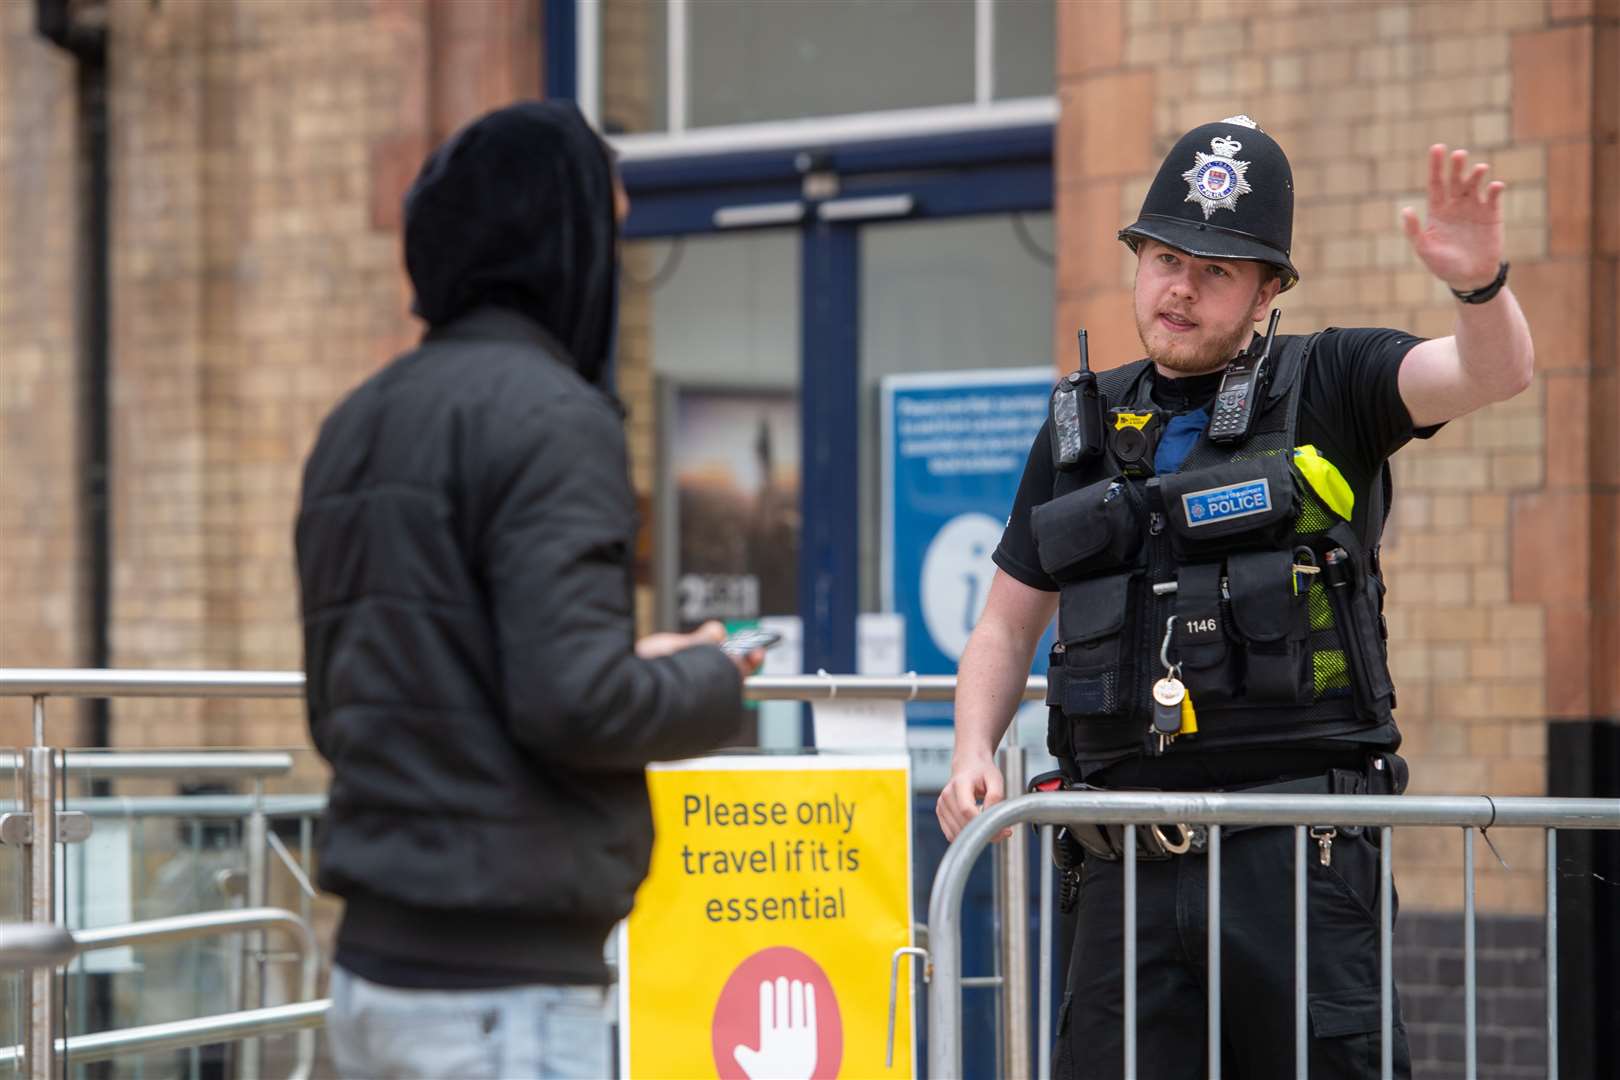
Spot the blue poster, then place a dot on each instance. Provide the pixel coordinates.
(954, 447)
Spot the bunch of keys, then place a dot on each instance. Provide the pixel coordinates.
(1172, 706)
(1168, 694)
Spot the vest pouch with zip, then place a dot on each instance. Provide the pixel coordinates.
(1243, 505)
(1203, 642)
(1097, 669)
(1271, 621)
(1090, 531)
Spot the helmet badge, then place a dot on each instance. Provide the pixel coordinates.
(1216, 180)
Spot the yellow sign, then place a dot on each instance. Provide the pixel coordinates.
(761, 940)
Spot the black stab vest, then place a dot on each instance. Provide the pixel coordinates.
(1269, 656)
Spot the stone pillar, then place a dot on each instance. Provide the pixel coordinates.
(41, 571)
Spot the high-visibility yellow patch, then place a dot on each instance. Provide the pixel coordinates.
(1325, 479)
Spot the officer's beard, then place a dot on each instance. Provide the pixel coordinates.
(1189, 358)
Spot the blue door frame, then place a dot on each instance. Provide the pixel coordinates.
(1001, 171)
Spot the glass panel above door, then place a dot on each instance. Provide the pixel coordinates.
(963, 294)
(790, 59)
(1025, 48)
(742, 62)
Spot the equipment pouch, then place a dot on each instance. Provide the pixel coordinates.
(1090, 531)
(1355, 595)
(1270, 618)
(1387, 774)
(1238, 506)
(1097, 668)
(1201, 644)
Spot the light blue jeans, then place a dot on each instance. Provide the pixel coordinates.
(513, 1033)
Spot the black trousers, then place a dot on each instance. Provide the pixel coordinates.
(1257, 965)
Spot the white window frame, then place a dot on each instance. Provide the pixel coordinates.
(983, 113)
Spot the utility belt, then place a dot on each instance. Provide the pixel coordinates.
(1385, 774)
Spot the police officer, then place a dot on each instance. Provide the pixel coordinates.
(1217, 594)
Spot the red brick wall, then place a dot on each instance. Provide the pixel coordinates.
(262, 151)
(1502, 546)
(259, 155)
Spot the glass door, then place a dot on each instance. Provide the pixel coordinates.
(709, 358)
(959, 294)
(721, 336)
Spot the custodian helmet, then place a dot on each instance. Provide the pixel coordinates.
(1225, 191)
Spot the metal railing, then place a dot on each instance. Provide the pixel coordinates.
(42, 683)
(1130, 809)
(39, 826)
(30, 945)
(167, 764)
(101, 683)
(106, 1045)
(302, 1017)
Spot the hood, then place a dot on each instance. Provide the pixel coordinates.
(516, 210)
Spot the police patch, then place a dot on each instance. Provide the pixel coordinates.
(1226, 503)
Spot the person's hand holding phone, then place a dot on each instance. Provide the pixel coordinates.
(747, 648)
(710, 633)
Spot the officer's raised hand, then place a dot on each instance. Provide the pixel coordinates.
(1489, 356)
(1461, 241)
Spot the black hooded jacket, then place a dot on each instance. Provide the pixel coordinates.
(464, 554)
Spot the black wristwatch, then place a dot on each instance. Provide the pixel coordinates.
(1487, 292)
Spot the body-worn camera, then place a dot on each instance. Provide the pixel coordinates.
(1133, 438)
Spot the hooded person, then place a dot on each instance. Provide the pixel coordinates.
(464, 543)
(516, 211)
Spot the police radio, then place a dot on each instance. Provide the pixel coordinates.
(1242, 392)
(1076, 415)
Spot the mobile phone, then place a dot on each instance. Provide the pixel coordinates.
(744, 642)
(1238, 400)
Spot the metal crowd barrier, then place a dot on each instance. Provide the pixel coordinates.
(39, 828)
(1131, 809)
